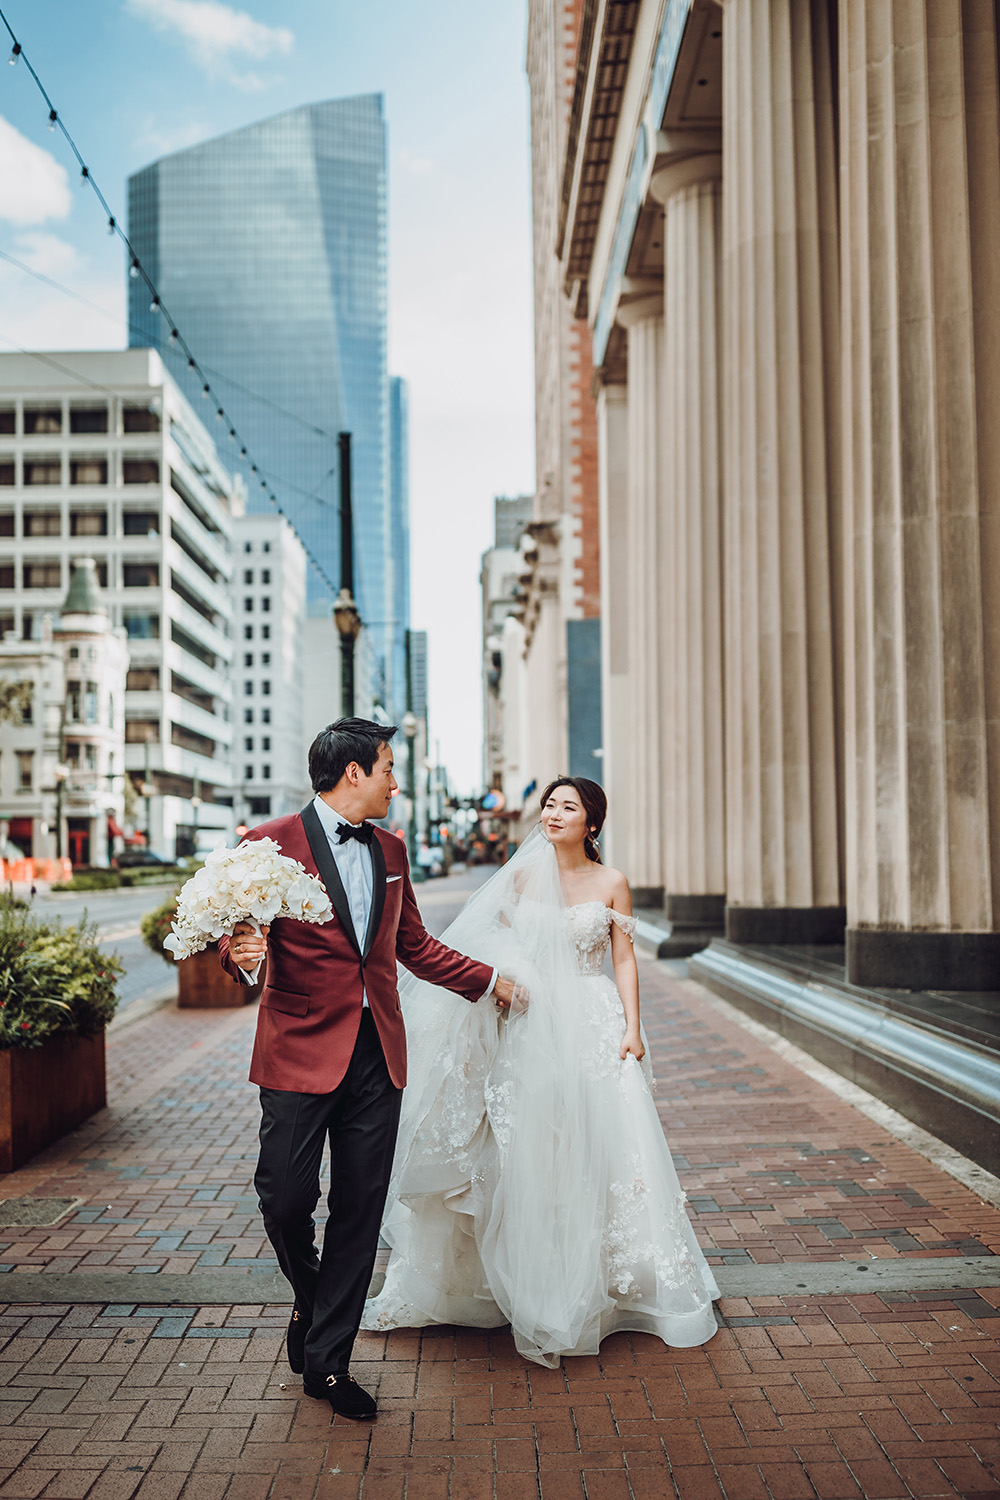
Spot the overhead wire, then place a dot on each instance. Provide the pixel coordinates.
(137, 270)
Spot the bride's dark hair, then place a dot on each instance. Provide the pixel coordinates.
(595, 805)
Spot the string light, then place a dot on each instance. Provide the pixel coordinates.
(137, 270)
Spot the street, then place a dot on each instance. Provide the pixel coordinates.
(857, 1351)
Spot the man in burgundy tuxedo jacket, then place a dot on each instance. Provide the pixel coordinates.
(330, 1050)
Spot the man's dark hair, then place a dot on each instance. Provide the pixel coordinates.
(342, 742)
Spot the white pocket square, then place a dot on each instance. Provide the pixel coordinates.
(390, 878)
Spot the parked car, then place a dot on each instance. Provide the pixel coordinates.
(131, 859)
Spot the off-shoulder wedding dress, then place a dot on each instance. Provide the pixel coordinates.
(532, 1184)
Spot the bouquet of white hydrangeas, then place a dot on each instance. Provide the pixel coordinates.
(254, 882)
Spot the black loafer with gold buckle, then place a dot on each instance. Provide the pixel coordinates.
(344, 1395)
(295, 1341)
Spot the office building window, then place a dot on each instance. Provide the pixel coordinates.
(248, 716)
(266, 547)
(143, 680)
(73, 701)
(7, 575)
(90, 703)
(42, 419)
(28, 709)
(248, 744)
(42, 523)
(74, 653)
(265, 687)
(265, 716)
(42, 471)
(142, 731)
(140, 418)
(248, 688)
(265, 632)
(88, 419)
(248, 632)
(88, 471)
(248, 575)
(265, 773)
(248, 658)
(265, 604)
(42, 575)
(248, 773)
(265, 576)
(88, 523)
(8, 474)
(265, 659)
(260, 807)
(140, 523)
(8, 419)
(6, 523)
(142, 626)
(140, 575)
(248, 546)
(265, 743)
(25, 770)
(140, 471)
(90, 757)
(248, 606)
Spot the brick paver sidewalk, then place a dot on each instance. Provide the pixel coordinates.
(885, 1393)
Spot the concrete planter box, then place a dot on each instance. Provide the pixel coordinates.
(47, 1091)
(202, 984)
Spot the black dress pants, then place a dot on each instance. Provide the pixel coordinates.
(360, 1118)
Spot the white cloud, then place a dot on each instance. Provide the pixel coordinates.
(45, 252)
(216, 35)
(419, 166)
(33, 185)
(153, 138)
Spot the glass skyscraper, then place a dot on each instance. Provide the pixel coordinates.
(268, 248)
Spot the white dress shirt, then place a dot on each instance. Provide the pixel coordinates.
(354, 866)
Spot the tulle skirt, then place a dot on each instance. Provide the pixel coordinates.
(539, 1191)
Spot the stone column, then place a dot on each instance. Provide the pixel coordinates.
(782, 479)
(612, 482)
(643, 320)
(691, 555)
(921, 228)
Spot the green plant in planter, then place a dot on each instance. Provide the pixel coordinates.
(53, 980)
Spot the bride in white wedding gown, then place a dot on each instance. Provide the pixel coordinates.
(532, 1184)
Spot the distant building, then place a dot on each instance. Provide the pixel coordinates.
(269, 248)
(269, 602)
(397, 610)
(503, 643)
(62, 763)
(561, 548)
(101, 454)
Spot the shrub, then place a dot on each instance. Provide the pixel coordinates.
(90, 880)
(152, 875)
(53, 979)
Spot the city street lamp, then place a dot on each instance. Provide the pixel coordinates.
(345, 611)
(410, 726)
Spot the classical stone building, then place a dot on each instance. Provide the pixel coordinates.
(62, 758)
(779, 220)
(559, 600)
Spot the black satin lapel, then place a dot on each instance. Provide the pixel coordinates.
(378, 892)
(328, 872)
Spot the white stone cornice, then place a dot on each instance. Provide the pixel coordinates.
(683, 171)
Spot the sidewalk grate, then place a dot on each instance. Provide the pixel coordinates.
(36, 1212)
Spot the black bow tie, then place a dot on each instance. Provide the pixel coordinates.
(360, 831)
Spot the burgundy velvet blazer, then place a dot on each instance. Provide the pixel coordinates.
(310, 1008)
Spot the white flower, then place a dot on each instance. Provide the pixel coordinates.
(254, 882)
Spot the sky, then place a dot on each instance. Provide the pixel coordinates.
(136, 79)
